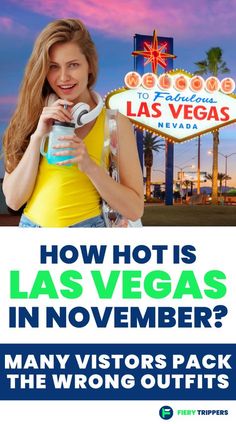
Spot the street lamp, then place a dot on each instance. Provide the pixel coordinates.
(181, 178)
(226, 164)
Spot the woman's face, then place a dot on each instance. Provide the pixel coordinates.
(68, 72)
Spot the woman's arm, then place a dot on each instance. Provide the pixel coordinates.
(19, 184)
(127, 196)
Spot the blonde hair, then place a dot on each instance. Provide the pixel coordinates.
(35, 88)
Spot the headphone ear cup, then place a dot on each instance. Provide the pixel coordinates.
(78, 111)
(79, 116)
(82, 114)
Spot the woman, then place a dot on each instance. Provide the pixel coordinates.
(64, 63)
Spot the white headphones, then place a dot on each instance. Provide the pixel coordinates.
(81, 111)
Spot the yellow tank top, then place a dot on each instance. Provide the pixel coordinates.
(63, 195)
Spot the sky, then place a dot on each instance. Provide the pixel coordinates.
(195, 27)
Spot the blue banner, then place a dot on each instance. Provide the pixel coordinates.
(117, 372)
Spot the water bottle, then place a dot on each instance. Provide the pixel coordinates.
(58, 129)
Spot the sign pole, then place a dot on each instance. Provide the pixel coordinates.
(139, 43)
(198, 165)
(169, 166)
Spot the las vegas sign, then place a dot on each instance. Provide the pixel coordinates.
(177, 105)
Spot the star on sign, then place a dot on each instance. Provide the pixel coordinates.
(156, 56)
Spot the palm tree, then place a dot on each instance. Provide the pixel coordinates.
(213, 64)
(150, 143)
(220, 177)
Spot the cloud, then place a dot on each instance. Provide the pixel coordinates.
(6, 23)
(8, 100)
(10, 26)
(188, 19)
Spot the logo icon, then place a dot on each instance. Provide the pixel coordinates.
(166, 412)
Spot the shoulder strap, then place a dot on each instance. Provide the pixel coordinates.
(110, 156)
(110, 163)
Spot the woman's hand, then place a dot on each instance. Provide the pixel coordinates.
(80, 154)
(55, 112)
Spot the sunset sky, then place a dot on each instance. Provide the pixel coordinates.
(195, 27)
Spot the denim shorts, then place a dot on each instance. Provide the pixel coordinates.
(96, 221)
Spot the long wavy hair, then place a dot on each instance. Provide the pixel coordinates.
(35, 88)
